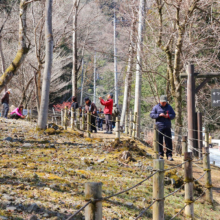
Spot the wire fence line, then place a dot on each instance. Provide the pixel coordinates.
(154, 200)
(82, 114)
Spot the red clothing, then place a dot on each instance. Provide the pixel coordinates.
(108, 106)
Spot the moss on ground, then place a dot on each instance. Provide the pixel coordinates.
(55, 177)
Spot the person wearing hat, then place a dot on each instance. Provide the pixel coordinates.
(108, 112)
(164, 113)
(90, 107)
(5, 103)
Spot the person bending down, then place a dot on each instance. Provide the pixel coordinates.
(17, 113)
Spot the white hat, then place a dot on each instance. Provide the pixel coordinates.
(9, 90)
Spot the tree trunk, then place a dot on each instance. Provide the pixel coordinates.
(115, 61)
(22, 48)
(137, 101)
(82, 84)
(2, 59)
(74, 70)
(42, 119)
(38, 88)
(128, 78)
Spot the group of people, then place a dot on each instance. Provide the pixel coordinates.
(111, 111)
(16, 113)
(163, 113)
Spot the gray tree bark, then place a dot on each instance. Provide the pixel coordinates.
(2, 59)
(137, 101)
(74, 69)
(128, 78)
(22, 48)
(42, 119)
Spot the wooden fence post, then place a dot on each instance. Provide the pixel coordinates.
(126, 123)
(158, 190)
(72, 118)
(208, 180)
(189, 209)
(117, 130)
(94, 210)
(65, 118)
(62, 117)
(131, 123)
(78, 119)
(156, 142)
(184, 146)
(134, 125)
(83, 121)
(88, 124)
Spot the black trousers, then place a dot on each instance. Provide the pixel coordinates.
(108, 122)
(93, 123)
(165, 133)
(14, 116)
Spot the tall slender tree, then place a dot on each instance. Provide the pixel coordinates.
(42, 119)
(137, 101)
(128, 78)
(75, 66)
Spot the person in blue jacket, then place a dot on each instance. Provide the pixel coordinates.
(164, 113)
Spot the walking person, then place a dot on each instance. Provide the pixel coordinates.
(108, 112)
(17, 113)
(90, 107)
(100, 119)
(164, 113)
(5, 103)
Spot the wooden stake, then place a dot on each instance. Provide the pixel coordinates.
(156, 142)
(72, 118)
(208, 180)
(94, 210)
(65, 118)
(126, 123)
(158, 190)
(131, 124)
(78, 119)
(88, 124)
(134, 125)
(184, 146)
(83, 121)
(117, 129)
(189, 209)
(62, 118)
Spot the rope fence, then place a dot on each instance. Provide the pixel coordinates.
(158, 192)
(86, 122)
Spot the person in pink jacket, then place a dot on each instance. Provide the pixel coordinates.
(17, 113)
(108, 112)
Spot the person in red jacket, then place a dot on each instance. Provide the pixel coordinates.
(108, 112)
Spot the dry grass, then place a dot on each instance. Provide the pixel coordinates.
(56, 176)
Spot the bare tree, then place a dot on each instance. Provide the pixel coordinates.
(137, 101)
(128, 77)
(42, 119)
(23, 48)
(75, 64)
